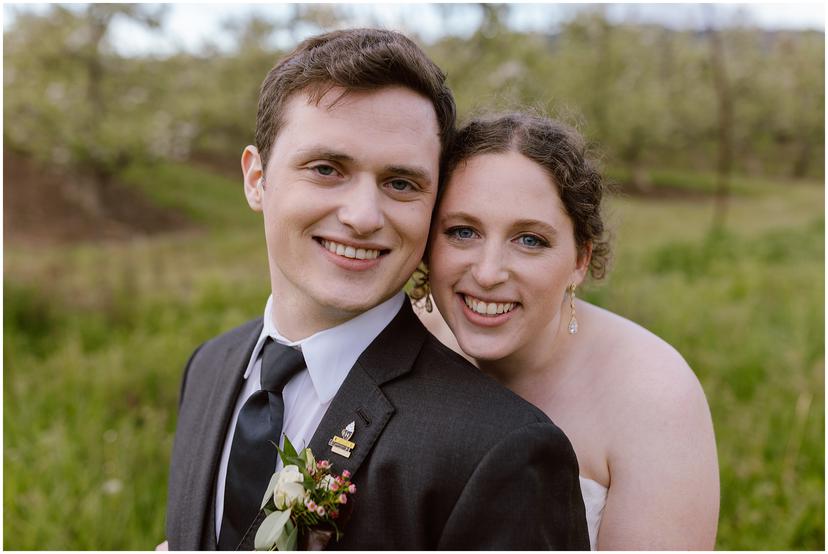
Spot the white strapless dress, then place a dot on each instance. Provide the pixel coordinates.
(595, 498)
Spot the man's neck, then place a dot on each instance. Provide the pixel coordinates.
(296, 324)
(298, 327)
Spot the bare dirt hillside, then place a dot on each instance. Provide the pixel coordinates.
(41, 205)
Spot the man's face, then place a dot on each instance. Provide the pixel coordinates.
(348, 194)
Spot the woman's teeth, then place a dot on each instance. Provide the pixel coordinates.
(488, 308)
(350, 251)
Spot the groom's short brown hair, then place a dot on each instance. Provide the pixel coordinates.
(356, 60)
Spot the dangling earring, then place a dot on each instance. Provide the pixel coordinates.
(573, 323)
(421, 291)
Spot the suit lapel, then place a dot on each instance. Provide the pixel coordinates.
(360, 398)
(361, 402)
(229, 374)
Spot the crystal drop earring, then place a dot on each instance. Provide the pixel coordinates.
(573, 323)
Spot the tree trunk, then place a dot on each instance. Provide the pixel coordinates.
(802, 162)
(88, 186)
(640, 177)
(633, 155)
(724, 98)
(87, 190)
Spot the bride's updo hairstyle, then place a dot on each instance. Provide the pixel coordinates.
(558, 149)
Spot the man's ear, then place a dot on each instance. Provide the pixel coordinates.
(253, 175)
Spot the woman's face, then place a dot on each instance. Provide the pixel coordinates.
(502, 255)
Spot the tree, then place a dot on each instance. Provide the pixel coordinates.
(724, 118)
(71, 101)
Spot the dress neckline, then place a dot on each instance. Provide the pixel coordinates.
(594, 482)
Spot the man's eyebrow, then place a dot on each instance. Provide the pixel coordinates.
(323, 153)
(412, 172)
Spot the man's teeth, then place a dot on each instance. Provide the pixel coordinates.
(488, 308)
(350, 251)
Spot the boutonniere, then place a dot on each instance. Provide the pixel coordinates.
(305, 504)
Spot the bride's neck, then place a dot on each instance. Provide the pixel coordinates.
(531, 373)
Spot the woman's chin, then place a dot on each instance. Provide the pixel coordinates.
(484, 349)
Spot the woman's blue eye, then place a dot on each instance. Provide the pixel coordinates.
(531, 241)
(463, 233)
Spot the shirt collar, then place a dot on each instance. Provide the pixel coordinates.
(330, 353)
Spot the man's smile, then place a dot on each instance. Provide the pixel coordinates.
(359, 252)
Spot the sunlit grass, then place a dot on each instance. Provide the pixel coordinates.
(96, 336)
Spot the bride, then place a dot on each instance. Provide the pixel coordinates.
(516, 230)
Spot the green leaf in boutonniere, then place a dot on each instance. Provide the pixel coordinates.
(289, 539)
(271, 530)
(289, 451)
(290, 457)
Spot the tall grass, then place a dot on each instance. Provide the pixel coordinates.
(96, 335)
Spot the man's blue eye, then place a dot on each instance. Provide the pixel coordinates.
(324, 170)
(400, 185)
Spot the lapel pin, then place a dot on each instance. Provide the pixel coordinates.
(341, 445)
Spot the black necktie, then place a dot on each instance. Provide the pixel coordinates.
(252, 455)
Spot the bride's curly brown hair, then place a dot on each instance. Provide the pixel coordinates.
(562, 152)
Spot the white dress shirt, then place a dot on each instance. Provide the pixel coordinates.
(329, 355)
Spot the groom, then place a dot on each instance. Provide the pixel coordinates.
(349, 135)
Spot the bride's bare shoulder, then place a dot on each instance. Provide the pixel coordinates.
(638, 368)
(660, 446)
(626, 346)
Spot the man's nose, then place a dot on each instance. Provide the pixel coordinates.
(490, 270)
(361, 207)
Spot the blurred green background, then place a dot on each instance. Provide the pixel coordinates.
(128, 241)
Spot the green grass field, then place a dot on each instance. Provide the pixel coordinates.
(96, 336)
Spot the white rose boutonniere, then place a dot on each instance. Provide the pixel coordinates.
(289, 487)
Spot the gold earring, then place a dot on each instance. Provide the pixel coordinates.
(421, 291)
(573, 323)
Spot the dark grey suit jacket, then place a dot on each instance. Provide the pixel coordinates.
(445, 457)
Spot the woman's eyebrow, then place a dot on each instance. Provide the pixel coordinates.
(466, 217)
(537, 224)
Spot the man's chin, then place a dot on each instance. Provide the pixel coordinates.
(347, 305)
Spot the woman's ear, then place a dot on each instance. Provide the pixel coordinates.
(582, 263)
(253, 176)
